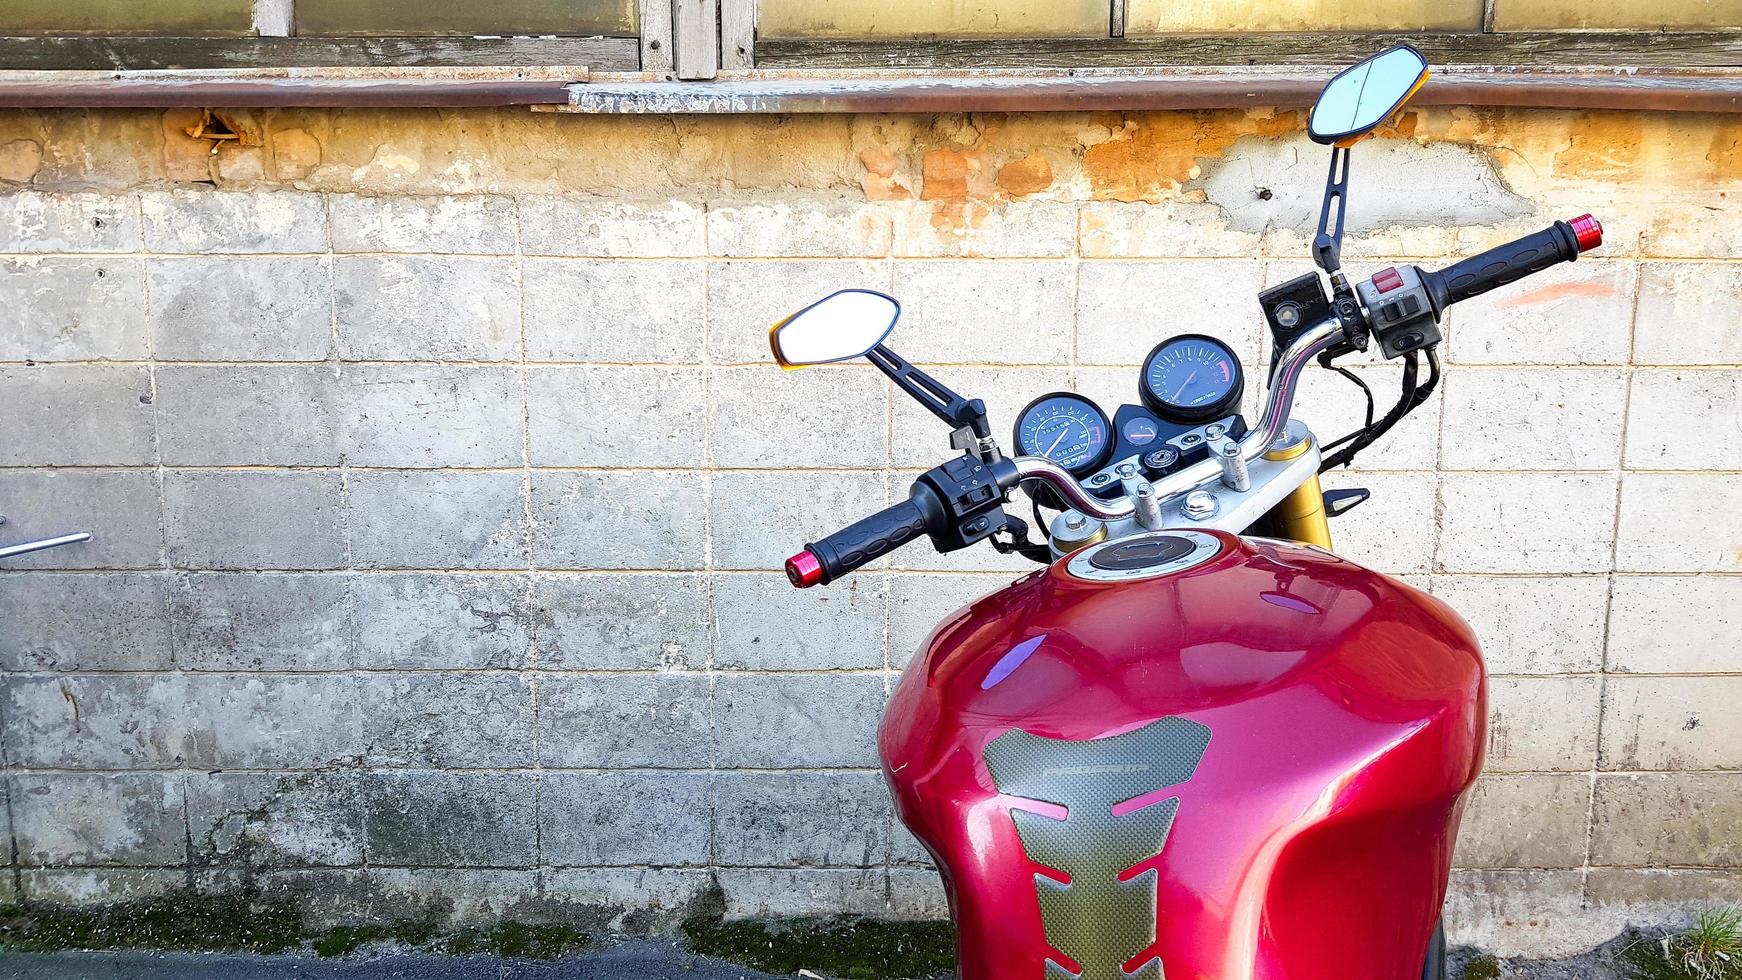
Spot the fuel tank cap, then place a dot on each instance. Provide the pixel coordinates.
(1142, 556)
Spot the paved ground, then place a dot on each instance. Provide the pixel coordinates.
(627, 961)
(1598, 964)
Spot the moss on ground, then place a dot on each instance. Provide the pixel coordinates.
(518, 940)
(851, 949)
(1482, 968)
(345, 940)
(179, 921)
(194, 922)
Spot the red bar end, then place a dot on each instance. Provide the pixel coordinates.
(804, 570)
(1588, 230)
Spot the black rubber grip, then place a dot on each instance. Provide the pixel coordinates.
(1506, 263)
(863, 541)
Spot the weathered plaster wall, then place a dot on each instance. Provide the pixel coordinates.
(440, 485)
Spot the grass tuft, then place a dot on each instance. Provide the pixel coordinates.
(1710, 949)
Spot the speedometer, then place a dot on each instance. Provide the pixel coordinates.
(1192, 378)
(1067, 429)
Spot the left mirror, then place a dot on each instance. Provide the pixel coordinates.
(838, 327)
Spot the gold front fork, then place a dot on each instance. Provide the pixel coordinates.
(1300, 516)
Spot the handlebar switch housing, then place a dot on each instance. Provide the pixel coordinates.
(1400, 310)
(971, 494)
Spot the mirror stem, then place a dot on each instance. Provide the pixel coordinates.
(1328, 243)
(932, 393)
(958, 412)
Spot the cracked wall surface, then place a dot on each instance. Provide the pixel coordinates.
(440, 484)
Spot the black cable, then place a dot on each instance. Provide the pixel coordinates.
(1367, 422)
(1433, 378)
(1330, 446)
(1352, 376)
(1409, 397)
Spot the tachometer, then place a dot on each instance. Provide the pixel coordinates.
(1192, 378)
(1067, 429)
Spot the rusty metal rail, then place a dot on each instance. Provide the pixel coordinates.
(1697, 90)
(303, 87)
(575, 89)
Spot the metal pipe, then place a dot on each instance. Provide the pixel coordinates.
(1031, 90)
(14, 550)
(1055, 476)
(1271, 426)
(135, 90)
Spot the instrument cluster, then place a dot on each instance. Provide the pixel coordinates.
(1188, 384)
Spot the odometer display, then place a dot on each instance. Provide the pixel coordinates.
(1192, 378)
(1067, 429)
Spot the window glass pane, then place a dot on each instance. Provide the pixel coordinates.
(1552, 15)
(184, 17)
(911, 18)
(431, 17)
(1234, 16)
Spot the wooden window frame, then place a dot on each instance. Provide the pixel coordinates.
(705, 56)
(1547, 51)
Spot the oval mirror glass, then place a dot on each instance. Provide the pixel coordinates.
(838, 327)
(1360, 98)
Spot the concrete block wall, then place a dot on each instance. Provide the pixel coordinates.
(440, 487)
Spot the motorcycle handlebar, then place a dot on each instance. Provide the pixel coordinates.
(837, 555)
(842, 552)
(1562, 241)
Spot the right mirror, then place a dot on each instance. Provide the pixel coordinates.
(1360, 98)
(838, 327)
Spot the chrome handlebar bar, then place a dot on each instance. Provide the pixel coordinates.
(1312, 341)
(1270, 427)
(1055, 476)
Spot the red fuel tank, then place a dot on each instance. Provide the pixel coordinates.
(1249, 769)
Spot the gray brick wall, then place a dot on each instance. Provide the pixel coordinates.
(438, 535)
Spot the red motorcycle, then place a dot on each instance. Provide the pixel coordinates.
(1197, 744)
